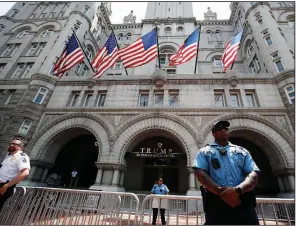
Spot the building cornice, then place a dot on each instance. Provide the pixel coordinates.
(44, 77)
(188, 111)
(7, 18)
(214, 22)
(126, 26)
(169, 20)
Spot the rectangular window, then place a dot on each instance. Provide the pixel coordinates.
(61, 14)
(143, 98)
(27, 70)
(87, 98)
(234, 99)
(40, 95)
(279, 65)
(82, 69)
(268, 40)
(11, 94)
(18, 71)
(13, 13)
(2, 26)
(290, 92)
(25, 126)
(251, 98)
(42, 15)
(74, 98)
(260, 20)
(32, 50)
(171, 71)
(158, 98)
(10, 50)
(117, 66)
(173, 98)
(2, 66)
(33, 16)
(217, 62)
(249, 50)
(52, 15)
(85, 10)
(101, 98)
(219, 98)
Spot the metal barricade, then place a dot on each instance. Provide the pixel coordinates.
(188, 210)
(12, 205)
(51, 206)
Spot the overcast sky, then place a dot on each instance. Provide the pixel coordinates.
(121, 9)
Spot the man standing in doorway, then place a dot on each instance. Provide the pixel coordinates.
(14, 168)
(159, 189)
(73, 178)
(228, 174)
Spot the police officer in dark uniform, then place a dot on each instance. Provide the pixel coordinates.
(228, 175)
(14, 168)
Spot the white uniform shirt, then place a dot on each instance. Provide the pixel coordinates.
(12, 166)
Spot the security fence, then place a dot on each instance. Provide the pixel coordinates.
(188, 210)
(52, 206)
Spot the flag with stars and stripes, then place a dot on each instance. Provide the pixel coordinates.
(71, 56)
(106, 57)
(187, 51)
(141, 51)
(231, 50)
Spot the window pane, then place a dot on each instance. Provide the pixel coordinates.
(101, 100)
(290, 88)
(173, 99)
(219, 100)
(279, 66)
(39, 98)
(143, 100)
(159, 99)
(234, 100)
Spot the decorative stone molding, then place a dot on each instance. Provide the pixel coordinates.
(45, 77)
(285, 75)
(84, 16)
(190, 169)
(42, 164)
(112, 166)
(91, 83)
(233, 81)
(254, 6)
(159, 78)
(257, 118)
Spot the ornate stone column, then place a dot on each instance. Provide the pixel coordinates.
(115, 177)
(191, 179)
(122, 178)
(99, 177)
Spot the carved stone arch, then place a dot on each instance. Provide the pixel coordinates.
(211, 55)
(22, 27)
(172, 45)
(48, 25)
(248, 39)
(176, 130)
(39, 147)
(183, 122)
(96, 118)
(204, 30)
(283, 16)
(280, 140)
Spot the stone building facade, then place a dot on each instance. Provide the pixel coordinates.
(121, 114)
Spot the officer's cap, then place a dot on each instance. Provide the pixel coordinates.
(220, 125)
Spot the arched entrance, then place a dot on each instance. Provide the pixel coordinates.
(78, 154)
(267, 184)
(156, 154)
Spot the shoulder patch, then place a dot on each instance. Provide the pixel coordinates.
(24, 160)
(206, 149)
(240, 150)
(23, 154)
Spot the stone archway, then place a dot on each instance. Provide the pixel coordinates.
(270, 140)
(113, 163)
(47, 143)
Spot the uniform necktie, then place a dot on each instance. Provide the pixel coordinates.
(222, 150)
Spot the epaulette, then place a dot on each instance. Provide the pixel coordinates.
(205, 149)
(23, 154)
(241, 150)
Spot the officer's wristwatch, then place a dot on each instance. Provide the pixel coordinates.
(238, 190)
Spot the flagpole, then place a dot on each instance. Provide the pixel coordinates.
(82, 50)
(244, 27)
(156, 28)
(196, 61)
(118, 48)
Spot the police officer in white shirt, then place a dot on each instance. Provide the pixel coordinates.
(14, 168)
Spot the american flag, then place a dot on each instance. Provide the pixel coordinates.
(231, 50)
(106, 57)
(71, 56)
(187, 51)
(141, 51)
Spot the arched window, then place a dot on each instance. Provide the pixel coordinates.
(89, 52)
(217, 61)
(209, 35)
(103, 30)
(168, 29)
(291, 21)
(180, 29)
(47, 33)
(120, 36)
(22, 34)
(219, 37)
(129, 35)
(165, 53)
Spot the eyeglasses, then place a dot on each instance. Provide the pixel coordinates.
(14, 144)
